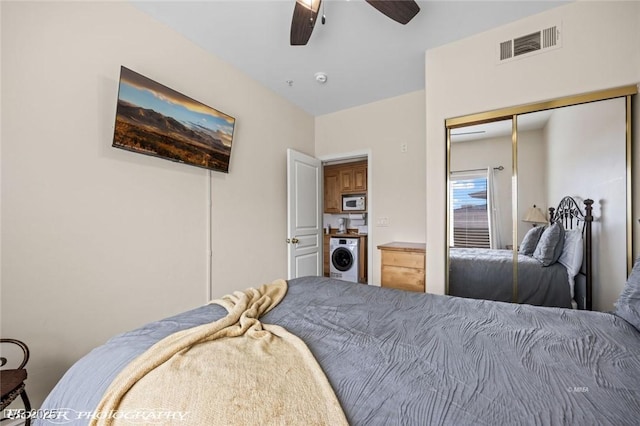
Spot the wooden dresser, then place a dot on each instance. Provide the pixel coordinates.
(403, 266)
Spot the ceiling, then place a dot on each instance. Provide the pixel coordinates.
(365, 55)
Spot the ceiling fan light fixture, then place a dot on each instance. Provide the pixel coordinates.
(312, 5)
(303, 21)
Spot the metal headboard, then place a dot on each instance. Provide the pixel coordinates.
(571, 216)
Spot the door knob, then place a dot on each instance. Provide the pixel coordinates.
(294, 240)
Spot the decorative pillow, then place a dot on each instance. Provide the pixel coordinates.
(571, 256)
(550, 246)
(628, 304)
(530, 240)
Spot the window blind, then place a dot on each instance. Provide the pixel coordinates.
(469, 210)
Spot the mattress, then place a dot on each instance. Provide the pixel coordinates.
(488, 274)
(397, 357)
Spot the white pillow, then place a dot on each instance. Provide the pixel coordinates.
(571, 256)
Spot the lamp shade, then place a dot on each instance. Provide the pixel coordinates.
(534, 215)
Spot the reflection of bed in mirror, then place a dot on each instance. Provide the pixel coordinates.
(574, 145)
(554, 264)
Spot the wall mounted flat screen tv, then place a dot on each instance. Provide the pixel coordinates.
(155, 120)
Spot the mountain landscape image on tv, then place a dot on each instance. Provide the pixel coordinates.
(154, 120)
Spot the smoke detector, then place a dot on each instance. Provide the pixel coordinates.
(321, 77)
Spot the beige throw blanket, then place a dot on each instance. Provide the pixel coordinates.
(234, 371)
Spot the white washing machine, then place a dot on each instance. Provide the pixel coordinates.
(343, 258)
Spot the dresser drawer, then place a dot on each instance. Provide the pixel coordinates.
(411, 279)
(403, 258)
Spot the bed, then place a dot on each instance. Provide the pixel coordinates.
(558, 275)
(395, 357)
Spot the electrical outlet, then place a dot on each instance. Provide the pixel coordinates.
(403, 147)
(382, 221)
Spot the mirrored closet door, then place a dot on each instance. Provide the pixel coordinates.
(507, 168)
(480, 211)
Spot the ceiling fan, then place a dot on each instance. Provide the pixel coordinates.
(305, 13)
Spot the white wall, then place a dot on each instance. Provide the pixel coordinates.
(586, 149)
(398, 178)
(484, 153)
(532, 163)
(464, 77)
(96, 240)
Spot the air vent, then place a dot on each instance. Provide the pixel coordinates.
(529, 44)
(506, 50)
(526, 44)
(549, 37)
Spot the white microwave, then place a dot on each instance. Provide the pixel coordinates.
(357, 203)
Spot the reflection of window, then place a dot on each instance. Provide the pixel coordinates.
(470, 224)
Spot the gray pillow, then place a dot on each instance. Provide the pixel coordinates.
(530, 240)
(628, 304)
(550, 246)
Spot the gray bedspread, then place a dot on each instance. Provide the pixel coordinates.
(488, 274)
(402, 358)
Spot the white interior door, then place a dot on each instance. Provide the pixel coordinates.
(304, 214)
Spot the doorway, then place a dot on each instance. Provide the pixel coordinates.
(337, 221)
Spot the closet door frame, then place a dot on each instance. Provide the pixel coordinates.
(511, 113)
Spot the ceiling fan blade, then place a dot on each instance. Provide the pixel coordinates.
(401, 11)
(303, 21)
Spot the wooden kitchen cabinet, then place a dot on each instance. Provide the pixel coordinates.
(325, 255)
(332, 195)
(403, 266)
(346, 178)
(362, 255)
(353, 177)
